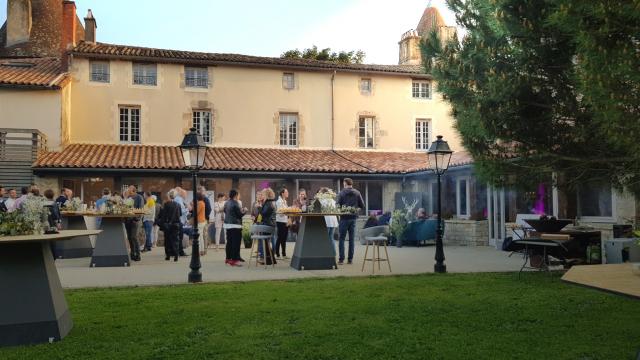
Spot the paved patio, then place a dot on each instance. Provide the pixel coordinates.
(154, 270)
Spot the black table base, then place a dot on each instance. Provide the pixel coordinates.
(32, 302)
(111, 244)
(78, 247)
(314, 250)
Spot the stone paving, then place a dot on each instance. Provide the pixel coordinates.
(154, 270)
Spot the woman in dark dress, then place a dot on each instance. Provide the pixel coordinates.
(233, 225)
(169, 223)
(268, 213)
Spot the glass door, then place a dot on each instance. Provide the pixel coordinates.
(496, 216)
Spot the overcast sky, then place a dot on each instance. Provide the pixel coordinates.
(258, 27)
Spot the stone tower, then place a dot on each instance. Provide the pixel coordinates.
(40, 28)
(410, 41)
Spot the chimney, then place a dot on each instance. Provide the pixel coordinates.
(90, 27)
(68, 25)
(18, 22)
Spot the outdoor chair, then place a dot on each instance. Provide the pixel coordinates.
(261, 234)
(376, 237)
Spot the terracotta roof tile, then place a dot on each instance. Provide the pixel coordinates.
(31, 72)
(240, 159)
(125, 52)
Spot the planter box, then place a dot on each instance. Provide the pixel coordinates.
(466, 232)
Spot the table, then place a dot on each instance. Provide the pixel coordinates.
(32, 305)
(314, 250)
(111, 244)
(78, 247)
(534, 242)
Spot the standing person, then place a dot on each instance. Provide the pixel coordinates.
(207, 213)
(131, 224)
(233, 225)
(34, 190)
(3, 192)
(281, 223)
(331, 221)
(201, 223)
(218, 213)
(301, 203)
(54, 218)
(64, 196)
(352, 198)
(181, 195)
(11, 200)
(156, 228)
(169, 223)
(268, 215)
(24, 192)
(148, 219)
(257, 207)
(101, 203)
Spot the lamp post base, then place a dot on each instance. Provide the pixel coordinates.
(195, 277)
(440, 268)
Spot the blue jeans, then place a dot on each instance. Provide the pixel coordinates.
(331, 231)
(350, 226)
(148, 232)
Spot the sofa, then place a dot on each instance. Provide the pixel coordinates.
(420, 232)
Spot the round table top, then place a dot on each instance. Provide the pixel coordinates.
(62, 235)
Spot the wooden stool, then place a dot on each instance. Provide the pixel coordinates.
(261, 233)
(375, 236)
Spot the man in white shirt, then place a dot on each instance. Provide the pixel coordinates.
(10, 202)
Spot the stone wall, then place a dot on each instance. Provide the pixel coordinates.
(466, 232)
(44, 183)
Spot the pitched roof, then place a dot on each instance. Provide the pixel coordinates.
(45, 73)
(95, 156)
(133, 53)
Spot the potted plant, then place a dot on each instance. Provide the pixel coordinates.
(398, 226)
(246, 235)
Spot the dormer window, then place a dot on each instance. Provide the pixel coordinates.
(365, 86)
(99, 71)
(197, 77)
(288, 81)
(421, 89)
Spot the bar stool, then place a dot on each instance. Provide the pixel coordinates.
(376, 237)
(261, 234)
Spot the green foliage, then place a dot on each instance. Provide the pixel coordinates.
(398, 224)
(246, 234)
(544, 86)
(29, 219)
(345, 57)
(450, 316)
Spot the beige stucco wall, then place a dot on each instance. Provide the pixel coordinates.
(245, 103)
(33, 109)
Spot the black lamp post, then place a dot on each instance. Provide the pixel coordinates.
(193, 152)
(439, 157)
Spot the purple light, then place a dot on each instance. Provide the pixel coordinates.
(538, 208)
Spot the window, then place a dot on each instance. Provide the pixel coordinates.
(289, 129)
(202, 123)
(422, 134)
(145, 74)
(421, 90)
(595, 200)
(433, 190)
(365, 86)
(129, 124)
(288, 81)
(462, 197)
(99, 71)
(196, 77)
(365, 132)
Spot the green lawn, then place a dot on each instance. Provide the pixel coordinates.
(471, 316)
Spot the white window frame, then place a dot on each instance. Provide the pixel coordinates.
(369, 124)
(196, 77)
(130, 117)
(433, 204)
(288, 80)
(418, 89)
(467, 193)
(95, 75)
(202, 120)
(422, 138)
(601, 219)
(288, 138)
(366, 90)
(144, 74)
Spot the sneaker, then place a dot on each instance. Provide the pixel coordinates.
(349, 262)
(340, 262)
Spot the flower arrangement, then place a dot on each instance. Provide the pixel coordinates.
(116, 206)
(30, 219)
(328, 195)
(348, 210)
(74, 204)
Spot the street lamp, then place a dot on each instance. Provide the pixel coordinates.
(439, 157)
(194, 150)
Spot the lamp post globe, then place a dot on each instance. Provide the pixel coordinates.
(439, 156)
(194, 150)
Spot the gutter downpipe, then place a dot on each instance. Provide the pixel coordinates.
(333, 81)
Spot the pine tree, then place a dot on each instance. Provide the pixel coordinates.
(545, 86)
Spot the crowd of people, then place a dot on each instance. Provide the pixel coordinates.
(174, 217)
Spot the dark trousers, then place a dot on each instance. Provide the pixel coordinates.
(180, 237)
(171, 241)
(346, 225)
(281, 242)
(232, 248)
(132, 234)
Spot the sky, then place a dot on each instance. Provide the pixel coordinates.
(258, 27)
